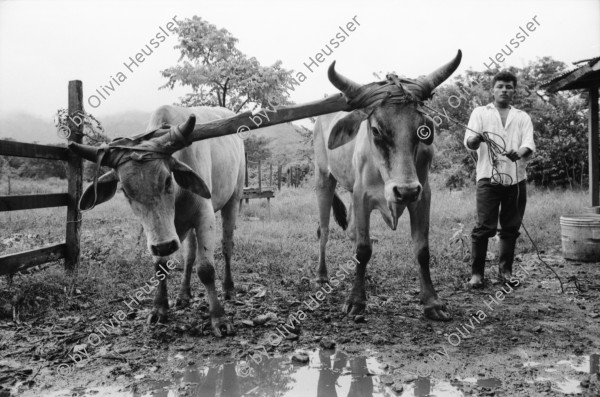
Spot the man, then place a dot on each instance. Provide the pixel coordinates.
(501, 184)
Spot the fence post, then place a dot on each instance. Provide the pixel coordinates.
(246, 180)
(289, 172)
(271, 175)
(75, 178)
(279, 169)
(259, 176)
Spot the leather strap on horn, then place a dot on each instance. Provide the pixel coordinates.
(101, 152)
(177, 137)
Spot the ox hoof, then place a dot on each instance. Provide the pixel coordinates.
(157, 316)
(182, 303)
(228, 290)
(318, 283)
(476, 282)
(437, 311)
(354, 307)
(221, 326)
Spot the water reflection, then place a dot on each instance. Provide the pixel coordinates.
(328, 374)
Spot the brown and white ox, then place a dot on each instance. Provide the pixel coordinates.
(175, 196)
(381, 154)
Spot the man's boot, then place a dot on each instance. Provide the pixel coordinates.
(478, 253)
(506, 258)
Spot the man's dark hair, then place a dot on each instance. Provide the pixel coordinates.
(504, 76)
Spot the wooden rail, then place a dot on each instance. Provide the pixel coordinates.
(33, 201)
(18, 262)
(70, 249)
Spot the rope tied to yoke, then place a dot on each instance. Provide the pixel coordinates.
(495, 146)
(392, 90)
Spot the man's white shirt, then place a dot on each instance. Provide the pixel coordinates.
(517, 133)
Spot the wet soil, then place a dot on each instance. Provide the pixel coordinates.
(531, 340)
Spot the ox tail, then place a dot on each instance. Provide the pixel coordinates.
(339, 214)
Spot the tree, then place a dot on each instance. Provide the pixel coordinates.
(256, 148)
(220, 74)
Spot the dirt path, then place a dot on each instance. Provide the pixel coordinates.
(507, 343)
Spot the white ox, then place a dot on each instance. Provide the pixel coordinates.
(382, 155)
(176, 198)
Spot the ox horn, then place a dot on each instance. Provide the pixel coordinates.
(347, 86)
(178, 137)
(439, 75)
(86, 151)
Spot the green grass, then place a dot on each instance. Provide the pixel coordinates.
(275, 252)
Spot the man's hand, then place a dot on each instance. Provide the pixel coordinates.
(474, 141)
(516, 155)
(512, 155)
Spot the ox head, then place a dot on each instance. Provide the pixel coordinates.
(147, 173)
(397, 126)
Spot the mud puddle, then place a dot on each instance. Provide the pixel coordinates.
(563, 373)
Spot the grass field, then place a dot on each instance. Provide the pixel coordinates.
(282, 249)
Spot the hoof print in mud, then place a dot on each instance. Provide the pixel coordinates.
(156, 317)
(182, 303)
(222, 327)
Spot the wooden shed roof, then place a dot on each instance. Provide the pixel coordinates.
(585, 76)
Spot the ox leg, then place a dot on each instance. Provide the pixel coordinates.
(205, 235)
(229, 215)
(189, 248)
(356, 303)
(160, 311)
(435, 308)
(325, 188)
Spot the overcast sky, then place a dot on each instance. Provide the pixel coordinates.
(44, 44)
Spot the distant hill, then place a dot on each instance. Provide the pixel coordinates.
(286, 144)
(25, 127)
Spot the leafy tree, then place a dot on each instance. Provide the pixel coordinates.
(256, 148)
(220, 74)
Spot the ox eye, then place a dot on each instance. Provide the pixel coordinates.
(376, 132)
(168, 183)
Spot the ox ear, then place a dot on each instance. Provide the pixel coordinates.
(427, 131)
(106, 189)
(345, 129)
(188, 179)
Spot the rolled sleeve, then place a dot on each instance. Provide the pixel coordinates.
(527, 137)
(474, 124)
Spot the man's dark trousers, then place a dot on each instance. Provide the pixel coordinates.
(507, 202)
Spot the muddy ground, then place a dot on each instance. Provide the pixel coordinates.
(518, 342)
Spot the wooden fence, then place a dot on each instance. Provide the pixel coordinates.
(70, 249)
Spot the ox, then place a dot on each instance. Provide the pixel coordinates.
(175, 189)
(381, 154)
